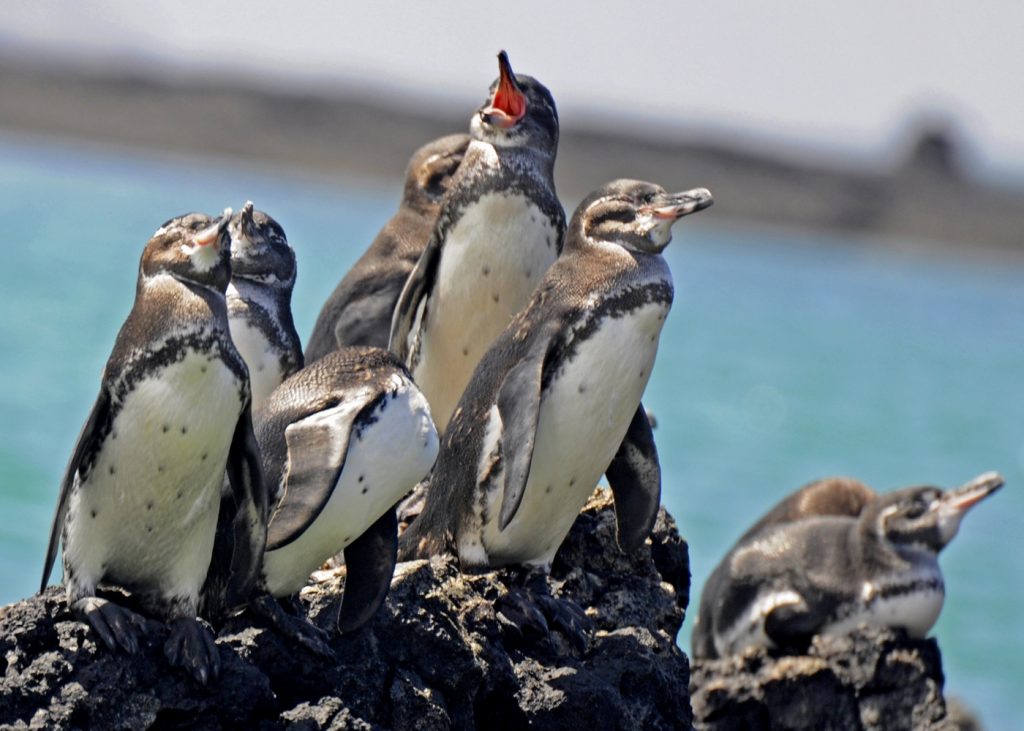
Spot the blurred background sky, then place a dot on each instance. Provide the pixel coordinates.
(843, 77)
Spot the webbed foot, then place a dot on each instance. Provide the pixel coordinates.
(299, 630)
(530, 612)
(191, 646)
(116, 625)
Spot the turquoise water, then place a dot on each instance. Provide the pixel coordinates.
(786, 358)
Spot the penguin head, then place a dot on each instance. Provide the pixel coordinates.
(636, 215)
(519, 112)
(927, 517)
(194, 248)
(430, 172)
(259, 250)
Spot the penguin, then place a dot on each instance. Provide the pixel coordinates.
(259, 301)
(144, 492)
(829, 574)
(499, 229)
(341, 440)
(359, 310)
(555, 402)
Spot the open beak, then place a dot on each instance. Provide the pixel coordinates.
(508, 105)
(673, 206)
(212, 233)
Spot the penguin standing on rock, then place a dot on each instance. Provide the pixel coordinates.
(141, 498)
(828, 574)
(341, 441)
(555, 402)
(259, 301)
(499, 229)
(359, 310)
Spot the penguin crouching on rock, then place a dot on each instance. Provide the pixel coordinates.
(499, 229)
(141, 499)
(342, 441)
(259, 301)
(555, 403)
(359, 310)
(828, 574)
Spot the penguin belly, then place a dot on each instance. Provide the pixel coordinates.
(146, 514)
(261, 357)
(493, 258)
(912, 602)
(389, 452)
(584, 415)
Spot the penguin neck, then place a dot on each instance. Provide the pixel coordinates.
(522, 159)
(881, 554)
(247, 292)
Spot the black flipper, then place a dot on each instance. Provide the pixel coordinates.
(791, 627)
(78, 467)
(369, 566)
(635, 478)
(519, 408)
(317, 446)
(241, 526)
(411, 307)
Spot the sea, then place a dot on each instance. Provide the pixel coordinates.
(786, 357)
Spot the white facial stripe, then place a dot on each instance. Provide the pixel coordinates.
(204, 258)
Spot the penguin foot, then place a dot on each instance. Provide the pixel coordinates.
(530, 613)
(301, 631)
(191, 646)
(116, 625)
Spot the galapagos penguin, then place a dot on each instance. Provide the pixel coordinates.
(499, 229)
(359, 310)
(259, 301)
(555, 402)
(144, 491)
(828, 574)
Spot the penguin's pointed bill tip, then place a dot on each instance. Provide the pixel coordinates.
(212, 233)
(971, 493)
(676, 205)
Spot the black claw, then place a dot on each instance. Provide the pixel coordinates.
(530, 612)
(117, 627)
(521, 615)
(301, 631)
(191, 646)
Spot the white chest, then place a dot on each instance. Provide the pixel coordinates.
(912, 602)
(584, 416)
(261, 358)
(145, 515)
(493, 258)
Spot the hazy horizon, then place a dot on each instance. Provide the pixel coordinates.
(844, 79)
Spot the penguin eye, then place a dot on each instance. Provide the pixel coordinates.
(916, 510)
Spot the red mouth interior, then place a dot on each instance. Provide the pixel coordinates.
(508, 98)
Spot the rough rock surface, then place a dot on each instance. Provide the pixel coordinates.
(871, 680)
(435, 657)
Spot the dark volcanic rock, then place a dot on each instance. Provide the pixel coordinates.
(435, 657)
(871, 680)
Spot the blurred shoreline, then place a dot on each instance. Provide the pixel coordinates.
(926, 197)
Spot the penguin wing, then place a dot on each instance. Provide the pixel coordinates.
(635, 478)
(241, 525)
(792, 625)
(370, 564)
(317, 446)
(411, 308)
(519, 408)
(86, 447)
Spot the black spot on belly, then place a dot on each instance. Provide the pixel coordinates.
(166, 428)
(582, 388)
(180, 494)
(184, 430)
(204, 456)
(529, 273)
(202, 369)
(496, 297)
(149, 505)
(361, 478)
(149, 529)
(572, 482)
(365, 489)
(642, 372)
(92, 513)
(465, 351)
(547, 490)
(111, 469)
(113, 435)
(486, 270)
